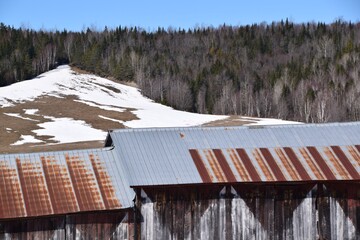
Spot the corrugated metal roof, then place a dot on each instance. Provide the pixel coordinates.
(305, 152)
(48, 183)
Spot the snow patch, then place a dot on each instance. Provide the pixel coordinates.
(111, 119)
(31, 111)
(17, 115)
(163, 116)
(26, 139)
(108, 108)
(66, 130)
(29, 90)
(104, 94)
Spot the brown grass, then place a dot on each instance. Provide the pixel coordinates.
(230, 121)
(54, 107)
(11, 128)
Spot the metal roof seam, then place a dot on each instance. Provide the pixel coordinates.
(96, 179)
(18, 178)
(46, 186)
(71, 181)
(123, 181)
(171, 167)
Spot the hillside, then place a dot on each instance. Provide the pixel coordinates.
(305, 72)
(63, 109)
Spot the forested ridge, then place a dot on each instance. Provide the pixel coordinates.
(306, 72)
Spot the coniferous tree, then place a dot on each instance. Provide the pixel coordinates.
(307, 72)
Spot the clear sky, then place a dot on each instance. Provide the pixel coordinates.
(76, 15)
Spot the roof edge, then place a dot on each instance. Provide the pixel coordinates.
(105, 148)
(287, 125)
(335, 181)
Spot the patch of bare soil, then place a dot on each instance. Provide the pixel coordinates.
(230, 121)
(12, 127)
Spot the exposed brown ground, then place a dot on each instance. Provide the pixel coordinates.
(12, 128)
(230, 121)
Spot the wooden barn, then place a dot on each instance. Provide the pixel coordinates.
(80, 194)
(258, 182)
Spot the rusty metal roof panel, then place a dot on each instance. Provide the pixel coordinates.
(47, 183)
(304, 152)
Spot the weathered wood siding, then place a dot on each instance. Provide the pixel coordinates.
(241, 211)
(339, 211)
(307, 211)
(36, 228)
(110, 225)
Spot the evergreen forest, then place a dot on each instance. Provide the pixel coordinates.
(305, 72)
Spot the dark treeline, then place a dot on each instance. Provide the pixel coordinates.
(305, 72)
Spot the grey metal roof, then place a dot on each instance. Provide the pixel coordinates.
(46, 183)
(302, 152)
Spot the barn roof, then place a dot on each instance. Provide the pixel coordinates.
(49, 183)
(286, 153)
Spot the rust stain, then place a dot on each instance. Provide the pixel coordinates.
(224, 165)
(314, 168)
(357, 147)
(297, 164)
(59, 185)
(202, 169)
(345, 162)
(214, 165)
(268, 174)
(287, 164)
(248, 165)
(355, 155)
(273, 165)
(36, 196)
(105, 184)
(240, 168)
(84, 183)
(340, 169)
(321, 162)
(11, 201)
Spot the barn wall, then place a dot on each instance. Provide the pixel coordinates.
(339, 211)
(110, 225)
(307, 211)
(36, 228)
(242, 211)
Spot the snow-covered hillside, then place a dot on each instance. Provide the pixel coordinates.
(95, 92)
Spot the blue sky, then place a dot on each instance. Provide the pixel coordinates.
(76, 15)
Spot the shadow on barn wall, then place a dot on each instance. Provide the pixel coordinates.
(250, 211)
